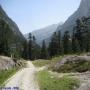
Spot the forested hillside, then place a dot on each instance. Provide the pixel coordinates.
(11, 39)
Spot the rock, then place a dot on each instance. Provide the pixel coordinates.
(73, 63)
(85, 86)
(6, 63)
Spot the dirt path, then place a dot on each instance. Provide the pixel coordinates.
(24, 79)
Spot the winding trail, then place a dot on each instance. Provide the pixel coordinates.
(24, 79)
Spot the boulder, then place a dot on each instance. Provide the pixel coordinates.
(6, 63)
(73, 63)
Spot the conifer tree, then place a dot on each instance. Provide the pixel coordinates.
(88, 42)
(54, 45)
(67, 43)
(44, 52)
(80, 34)
(60, 46)
(25, 50)
(75, 44)
(87, 34)
(33, 48)
(30, 46)
(5, 37)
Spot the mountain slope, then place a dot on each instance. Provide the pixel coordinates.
(83, 10)
(12, 24)
(44, 33)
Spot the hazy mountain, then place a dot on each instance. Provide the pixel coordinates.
(83, 10)
(44, 33)
(12, 24)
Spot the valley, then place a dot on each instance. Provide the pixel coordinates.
(56, 57)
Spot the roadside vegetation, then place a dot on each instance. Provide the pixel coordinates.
(49, 82)
(72, 64)
(6, 74)
(69, 66)
(8, 67)
(43, 62)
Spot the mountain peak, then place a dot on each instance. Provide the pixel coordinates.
(82, 11)
(85, 8)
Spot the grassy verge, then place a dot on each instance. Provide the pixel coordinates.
(42, 62)
(5, 74)
(48, 82)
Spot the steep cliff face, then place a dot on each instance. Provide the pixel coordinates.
(83, 10)
(12, 24)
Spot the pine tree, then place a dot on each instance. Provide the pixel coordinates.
(44, 52)
(30, 47)
(67, 43)
(81, 33)
(75, 44)
(87, 35)
(25, 50)
(60, 46)
(88, 42)
(54, 45)
(33, 48)
(5, 37)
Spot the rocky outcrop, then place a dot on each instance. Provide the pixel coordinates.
(6, 63)
(73, 63)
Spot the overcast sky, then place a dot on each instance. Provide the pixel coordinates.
(30, 15)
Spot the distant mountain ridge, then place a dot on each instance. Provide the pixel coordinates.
(83, 11)
(44, 33)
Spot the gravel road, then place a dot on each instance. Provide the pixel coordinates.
(23, 79)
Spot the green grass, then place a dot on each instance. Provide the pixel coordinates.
(42, 62)
(5, 74)
(48, 82)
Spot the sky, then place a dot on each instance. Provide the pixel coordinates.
(31, 15)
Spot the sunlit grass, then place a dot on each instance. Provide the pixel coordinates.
(42, 62)
(49, 82)
(5, 74)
